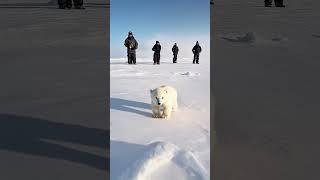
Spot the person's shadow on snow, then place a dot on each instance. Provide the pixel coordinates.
(130, 106)
(39, 137)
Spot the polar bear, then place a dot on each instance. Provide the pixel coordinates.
(163, 101)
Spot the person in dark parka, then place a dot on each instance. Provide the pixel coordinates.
(63, 4)
(131, 44)
(156, 56)
(196, 51)
(278, 3)
(175, 50)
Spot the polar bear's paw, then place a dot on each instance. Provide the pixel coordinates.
(156, 116)
(166, 116)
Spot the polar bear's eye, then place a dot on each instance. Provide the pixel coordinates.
(162, 97)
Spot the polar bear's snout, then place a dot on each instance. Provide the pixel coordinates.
(159, 100)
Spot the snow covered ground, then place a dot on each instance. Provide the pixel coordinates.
(266, 87)
(53, 84)
(146, 148)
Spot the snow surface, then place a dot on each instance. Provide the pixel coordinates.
(145, 148)
(266, 89)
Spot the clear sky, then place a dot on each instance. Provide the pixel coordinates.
(163, 20)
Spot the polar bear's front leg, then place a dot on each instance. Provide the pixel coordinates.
(167, 111)
(156, 112)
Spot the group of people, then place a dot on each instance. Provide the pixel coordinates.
(67, 4)
(131, 44)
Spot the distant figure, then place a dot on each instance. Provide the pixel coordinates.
(175, 51)
(196, 51)
(156, 56)
(63, 4)
(131, 45)
(278, 3)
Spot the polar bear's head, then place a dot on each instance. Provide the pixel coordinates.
(159, 96)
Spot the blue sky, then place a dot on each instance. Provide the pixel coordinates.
(148, 19)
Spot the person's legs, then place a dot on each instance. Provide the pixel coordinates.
(69, 4)
(279, 3)
(158, 58)
(133, 58)
(62, 4)
(154, 58)
(78, 4)
(194, 58)
(197, 59)
(174, 58)
(267, 3)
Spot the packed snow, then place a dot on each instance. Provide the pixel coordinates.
(143, 147)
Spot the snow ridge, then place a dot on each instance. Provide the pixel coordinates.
(159, 154)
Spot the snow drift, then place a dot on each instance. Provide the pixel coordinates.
(158, 157)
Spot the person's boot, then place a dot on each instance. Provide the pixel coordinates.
(267, 3)
(279, 3)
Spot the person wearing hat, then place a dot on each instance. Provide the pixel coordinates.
(156, 56)
(175, 51)
(131, 44)
(196, 52)
(63, 4)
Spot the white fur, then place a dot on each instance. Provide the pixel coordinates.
(163, 101)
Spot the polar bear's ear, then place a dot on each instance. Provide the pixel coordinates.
(166, 91)
(151, 91)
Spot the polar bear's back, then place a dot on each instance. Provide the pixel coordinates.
(170, 89)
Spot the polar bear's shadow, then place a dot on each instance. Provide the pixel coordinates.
(130, 106)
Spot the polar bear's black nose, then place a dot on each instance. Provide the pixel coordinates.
(159, 103)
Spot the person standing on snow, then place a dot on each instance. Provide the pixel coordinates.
(63, 4)
(196, 51)
(278, 3)
(156, 56)
(175, 51)
(131, 45)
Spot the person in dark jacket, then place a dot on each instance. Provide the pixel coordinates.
(278, 3)
(175, 50)
(196, 51)
(131, 44)
(156, 56)
(63, 4)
